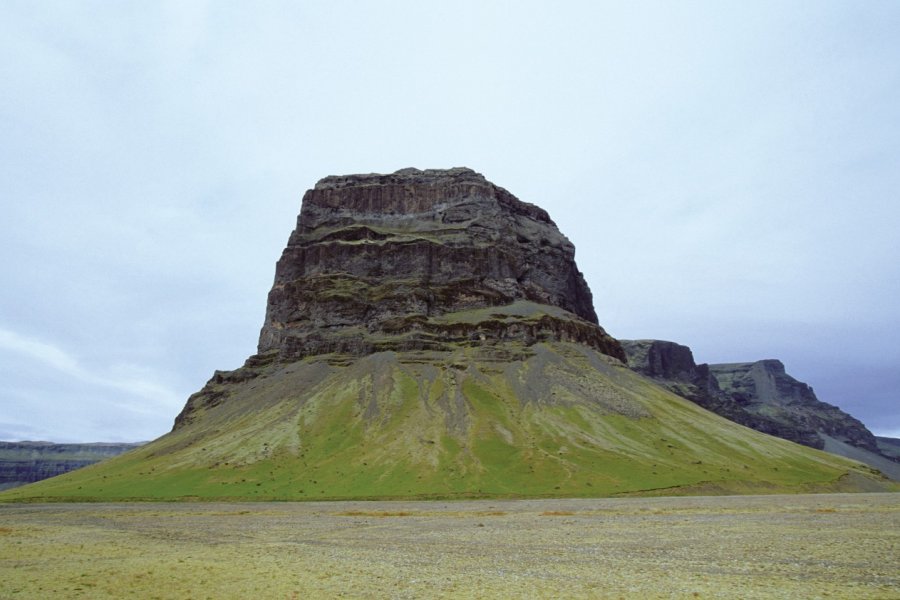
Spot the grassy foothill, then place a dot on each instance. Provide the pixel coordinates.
(564, 421)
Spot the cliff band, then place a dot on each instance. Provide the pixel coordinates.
(377, 260)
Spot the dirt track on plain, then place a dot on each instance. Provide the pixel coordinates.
(815, 546)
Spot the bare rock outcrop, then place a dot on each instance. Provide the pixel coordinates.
(764, 388)
(376, 260)
(417, 260)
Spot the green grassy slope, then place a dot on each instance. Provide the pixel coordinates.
(565, 422)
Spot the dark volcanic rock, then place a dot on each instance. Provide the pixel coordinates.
(759, 395)
(672, 363)
(763, 388)
(375, 258)
(26, 462)
(663, 360)
(418, 260)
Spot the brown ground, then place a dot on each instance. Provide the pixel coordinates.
(822, 546)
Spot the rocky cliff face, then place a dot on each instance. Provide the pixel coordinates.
(672, 365)
(26, 462)
(764, 388)
(376, 260)
(419, 261)
(760, 395)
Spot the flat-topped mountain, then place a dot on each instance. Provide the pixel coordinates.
(376, 260)
(27, 462)
(428, 335)
(420, 260)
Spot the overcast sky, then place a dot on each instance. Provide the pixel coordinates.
(728, 172)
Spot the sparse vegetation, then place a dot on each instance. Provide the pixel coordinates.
(818, 546)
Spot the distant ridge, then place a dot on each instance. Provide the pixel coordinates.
(27, 462)
(760, 395)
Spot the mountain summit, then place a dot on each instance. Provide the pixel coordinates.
(422, 260)
(428, 335)
(376, 261)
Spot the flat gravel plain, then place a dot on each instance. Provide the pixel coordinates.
(809, 546)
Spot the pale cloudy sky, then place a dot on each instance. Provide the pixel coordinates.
(727, 170)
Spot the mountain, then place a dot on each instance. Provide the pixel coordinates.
(27, 462)
(428, 335)
(760, 395)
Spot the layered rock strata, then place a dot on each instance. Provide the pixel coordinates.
(418, 260)
(27, 462)
(376, 260)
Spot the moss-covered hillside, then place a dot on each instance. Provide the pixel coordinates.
(555, 419)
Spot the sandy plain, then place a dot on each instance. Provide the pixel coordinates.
(810, 546)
